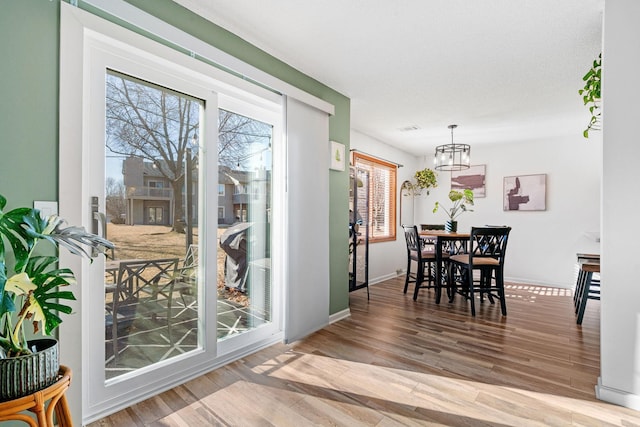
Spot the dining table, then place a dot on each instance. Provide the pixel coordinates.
(446, 243)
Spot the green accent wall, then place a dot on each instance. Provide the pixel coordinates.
(29, 108)
(29, 101)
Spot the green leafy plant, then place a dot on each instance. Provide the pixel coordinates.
(424, 180)
(591, 95)
(460, 200)
(31, 284)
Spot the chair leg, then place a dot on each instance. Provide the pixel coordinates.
(406, 280)
(114, 337)
(584, 296)
(169, 314)
(486, 283)
(451, 282)
(500, 286)
(430, 273)
(419, 280)
(471, 295)
(577, 295)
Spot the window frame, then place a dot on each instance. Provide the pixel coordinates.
(372, 164)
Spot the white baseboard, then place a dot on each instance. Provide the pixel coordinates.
(335, 317)
(617, 397)
(385, 277)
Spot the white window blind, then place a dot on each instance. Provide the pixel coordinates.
(382, 199)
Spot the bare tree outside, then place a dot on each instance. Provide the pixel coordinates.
(115, 200)
(153, 123)
(160, 126)
(239, 138)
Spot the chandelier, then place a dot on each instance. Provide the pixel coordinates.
(452, 157)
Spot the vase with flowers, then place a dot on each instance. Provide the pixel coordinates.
(461, 200)
(32, 291)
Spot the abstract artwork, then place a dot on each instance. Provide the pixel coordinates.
(525, 193)
(472, 178)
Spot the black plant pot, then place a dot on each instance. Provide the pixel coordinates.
(451, 226)
(25, 375)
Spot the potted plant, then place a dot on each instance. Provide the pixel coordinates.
(32, 292)
(424, 180)
(460, 200)
(591, 95)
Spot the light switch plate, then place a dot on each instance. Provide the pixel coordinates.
(46, 208)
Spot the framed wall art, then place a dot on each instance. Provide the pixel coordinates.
(337, 160)
(525, 193)
(472, 178)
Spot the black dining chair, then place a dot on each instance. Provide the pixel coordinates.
(588, 283)
(423, 254)
(487, 249)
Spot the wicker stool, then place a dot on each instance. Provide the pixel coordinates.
(36, 403)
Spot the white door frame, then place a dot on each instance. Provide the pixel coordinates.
(89, 45)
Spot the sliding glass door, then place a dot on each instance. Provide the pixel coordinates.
(244, 232)
(184, 174)
(152, 286)
(153, 216)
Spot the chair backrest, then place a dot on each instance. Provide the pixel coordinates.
(141, 276)
(414, 244)
(191, 258)
(189, 270)
(425, 227)
(488, 242)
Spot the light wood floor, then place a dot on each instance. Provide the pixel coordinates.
(397, 362)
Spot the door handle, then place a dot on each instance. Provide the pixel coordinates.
(95, 205)
(101, 219)
(98, 222)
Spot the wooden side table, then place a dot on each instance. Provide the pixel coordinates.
(36, 403)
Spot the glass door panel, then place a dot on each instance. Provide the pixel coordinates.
(152, 199)
(244, 224)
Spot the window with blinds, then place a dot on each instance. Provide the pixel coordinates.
(382, 196)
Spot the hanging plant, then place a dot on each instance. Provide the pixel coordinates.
(424, 180)
(591, 95)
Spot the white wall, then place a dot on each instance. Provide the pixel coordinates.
(543, 245)
(620, 305)
(385, 258)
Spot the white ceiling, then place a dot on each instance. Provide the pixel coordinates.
(503, 70)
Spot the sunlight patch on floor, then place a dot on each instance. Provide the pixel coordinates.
(416, 391)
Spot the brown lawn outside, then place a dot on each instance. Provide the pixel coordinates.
(159, 241)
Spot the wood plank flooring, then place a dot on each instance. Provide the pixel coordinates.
(396, 362)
